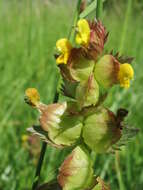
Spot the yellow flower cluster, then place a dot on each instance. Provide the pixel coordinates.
(82, 38)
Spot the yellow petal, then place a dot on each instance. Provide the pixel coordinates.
(64, 47)
(63, 58)
(60, 59)
(126, 73)
(83, 34)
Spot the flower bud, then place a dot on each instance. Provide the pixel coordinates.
(87, 93)
(76, 171)
(100, 130)
(98, 37)
(32, 97)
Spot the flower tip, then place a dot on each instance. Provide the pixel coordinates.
(32, 97)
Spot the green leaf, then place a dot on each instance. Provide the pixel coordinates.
(89, 9)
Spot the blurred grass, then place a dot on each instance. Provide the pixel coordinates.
(28, 32)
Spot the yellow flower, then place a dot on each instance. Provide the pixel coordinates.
(83, 32)
(126, 73)
(64, 47)
(32, 96)
(24, 138)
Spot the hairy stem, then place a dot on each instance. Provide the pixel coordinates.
(99, 9)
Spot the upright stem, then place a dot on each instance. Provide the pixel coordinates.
(99, 9)
(39, 166)
(44, 145)
(76, 16)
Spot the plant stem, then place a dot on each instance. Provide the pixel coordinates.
(39, 166)
(44, 145)
(99, 9)
(76, 16)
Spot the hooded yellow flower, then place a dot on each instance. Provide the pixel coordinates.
(64, 47)
(83, 32)
(126, 73)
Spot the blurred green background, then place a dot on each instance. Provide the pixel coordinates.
(28, 32)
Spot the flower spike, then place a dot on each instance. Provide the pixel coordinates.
(81, 121)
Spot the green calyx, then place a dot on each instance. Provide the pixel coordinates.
(100, 130)
(81, 68)
(106, 71)
(76, 171)
(67, 132)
